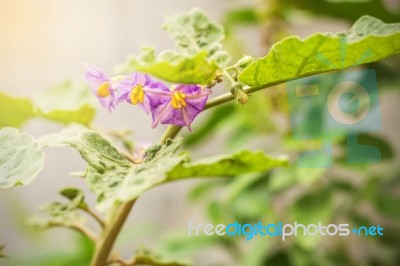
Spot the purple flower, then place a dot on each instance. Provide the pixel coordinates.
(136, 88)
(102, 87)
(178, 106)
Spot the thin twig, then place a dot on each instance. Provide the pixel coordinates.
(226, 97)
(94, 216)
(226, 74)
(79, 228)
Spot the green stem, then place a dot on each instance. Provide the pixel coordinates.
(170, 133)
(98, 219)
(112, 229)
(226, 74)
(226, 97)
(79, 228)
(110, 234)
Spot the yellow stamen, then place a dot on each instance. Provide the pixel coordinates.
(178, 100)
(137, 94)
(104, 89)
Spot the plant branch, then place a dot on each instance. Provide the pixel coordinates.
(226, 97)
(79, 228)
(110, 234)
(94, 215)
(230, 78)
(112, 230)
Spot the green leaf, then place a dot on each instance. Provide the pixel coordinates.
(200, 52)
(14, 111)
(98, 152)
(21, 158)
(58, 214)
(62, 213)
(107, 167)
(243, 162)
(367, 41)
(57, 209)
(194, 32)
(67, 102)
(145, 257)
(114, 179)
(173, 66)
(349, 10)
(76, 197)
(128, 184)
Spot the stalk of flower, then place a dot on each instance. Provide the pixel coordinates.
(136, 88)
(102, 87)
(179, 106)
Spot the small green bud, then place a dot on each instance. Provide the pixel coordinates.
(212, 84)
(219, 79)
(245, 61)
(237, 90)
(219, 76)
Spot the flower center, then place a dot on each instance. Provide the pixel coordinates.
(178, 100)
(137, 94)
(104, 89)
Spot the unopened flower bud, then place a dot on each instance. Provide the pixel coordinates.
(212, 83)
(219, 76)
(237, 90)
(245, 61)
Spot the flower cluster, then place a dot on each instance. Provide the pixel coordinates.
(177, 105)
